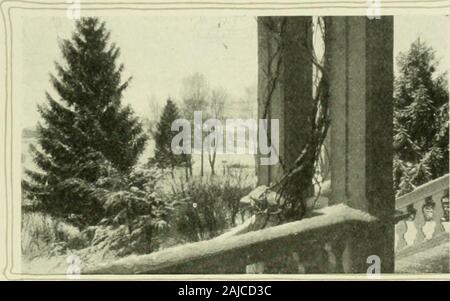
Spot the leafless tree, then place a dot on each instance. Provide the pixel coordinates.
(194, 92)
(217, 102)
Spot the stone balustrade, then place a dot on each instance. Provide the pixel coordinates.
(425, 221)
(237, 253)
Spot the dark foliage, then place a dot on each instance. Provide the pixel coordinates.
(420, 119)
(85, 129)
(163, 135)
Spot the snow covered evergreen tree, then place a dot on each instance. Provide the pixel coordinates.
(420, 119)
(163, 135)
(86, 131)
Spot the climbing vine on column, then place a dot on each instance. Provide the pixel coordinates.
(291, 192)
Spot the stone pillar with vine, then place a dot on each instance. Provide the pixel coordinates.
(293, 89)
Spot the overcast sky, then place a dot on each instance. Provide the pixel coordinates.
(160, 51)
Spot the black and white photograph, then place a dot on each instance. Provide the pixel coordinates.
(160, 143)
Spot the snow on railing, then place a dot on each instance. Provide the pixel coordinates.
(426, 217)
(233, 253)
(424, 223)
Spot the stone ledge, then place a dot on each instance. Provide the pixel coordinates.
(239, 250)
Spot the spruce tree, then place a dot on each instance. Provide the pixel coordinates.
(420, 119)
(163, 135)
(86, 131)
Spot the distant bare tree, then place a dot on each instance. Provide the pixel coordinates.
(154, 110)
(194, 92)
(218, 99)
(250, 102)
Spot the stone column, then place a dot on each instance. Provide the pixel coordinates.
(360, 66)
(284, 91)
(284, 80)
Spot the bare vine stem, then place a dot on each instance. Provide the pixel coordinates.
(300, 175)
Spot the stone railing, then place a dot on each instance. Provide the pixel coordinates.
(423, 222)
(425, 218)
(240, 253)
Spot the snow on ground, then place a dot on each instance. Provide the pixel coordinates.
(433, 260)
